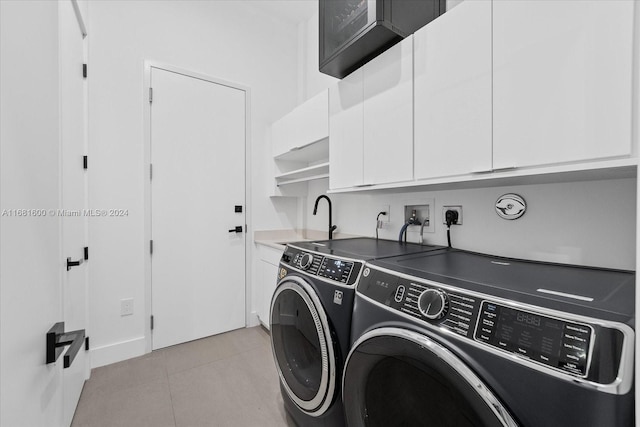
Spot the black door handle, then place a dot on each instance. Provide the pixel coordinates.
(73, 263)
(238, 229)
(57, 339)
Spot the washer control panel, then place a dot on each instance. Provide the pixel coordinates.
(329, 267)
(558, 343)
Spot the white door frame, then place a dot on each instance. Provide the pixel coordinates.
(148, 65)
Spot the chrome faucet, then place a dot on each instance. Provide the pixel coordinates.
(315, 210)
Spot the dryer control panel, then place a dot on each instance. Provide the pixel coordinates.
(532, 334)
(551, 341)
(332, 268)
(449, 309)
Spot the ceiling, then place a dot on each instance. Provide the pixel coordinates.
(294, 11)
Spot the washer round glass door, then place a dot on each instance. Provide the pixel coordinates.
(302, 346)
(396, 377)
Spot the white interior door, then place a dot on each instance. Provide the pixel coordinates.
(72, 115)
(30, 246)
(198, 158)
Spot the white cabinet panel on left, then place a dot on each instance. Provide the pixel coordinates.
(267, 281)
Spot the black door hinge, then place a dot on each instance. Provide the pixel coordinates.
(86, 253)
(85, 161)
(150, 170)
(151, 247)
(150, 95)
(86, 343)
(152, 322)
(84, 71)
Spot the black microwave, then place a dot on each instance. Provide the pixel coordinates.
(352, 32)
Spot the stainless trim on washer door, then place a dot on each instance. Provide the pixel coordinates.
(319, 404)
(446, 356)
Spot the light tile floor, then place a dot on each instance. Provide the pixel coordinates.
(225, 380)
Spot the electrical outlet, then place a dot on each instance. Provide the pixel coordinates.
(457, 208)
(126, 307)
(384, 218)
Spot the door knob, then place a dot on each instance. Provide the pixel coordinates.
(238, 229)
(73, 263)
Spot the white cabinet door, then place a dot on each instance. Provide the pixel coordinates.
(453, 92)
(388, 115)
(311, 120)
(562, 80)
(267, 281)
(306, 124)
(345, 132)
(280, 136)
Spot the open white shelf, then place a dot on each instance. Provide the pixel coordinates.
(308, 173)
(315, 151)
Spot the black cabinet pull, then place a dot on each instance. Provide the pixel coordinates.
(73, 263)
(238, 229)
(57, 339)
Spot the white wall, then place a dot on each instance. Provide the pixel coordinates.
(588, 223)
(230, 40)
(30, 256)
(311, 80)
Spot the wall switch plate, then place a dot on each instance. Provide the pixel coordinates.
(126, 307)
(457, 208)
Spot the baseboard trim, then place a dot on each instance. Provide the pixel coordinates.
(112, 353)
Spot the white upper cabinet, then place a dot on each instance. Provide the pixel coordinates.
(306, 124)
(346, 132)
(388, 115)
(562, 81)
(300, 147)
(514, 87)
(371, 122)
(453, 92)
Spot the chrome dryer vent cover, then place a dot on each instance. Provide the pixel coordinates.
(510, 206)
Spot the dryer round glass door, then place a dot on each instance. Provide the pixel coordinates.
(395, 377)
(302, 346)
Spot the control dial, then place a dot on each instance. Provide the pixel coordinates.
(306, 261)
(433, 304)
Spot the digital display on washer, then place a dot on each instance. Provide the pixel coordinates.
(335, 269)
(553, 342)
